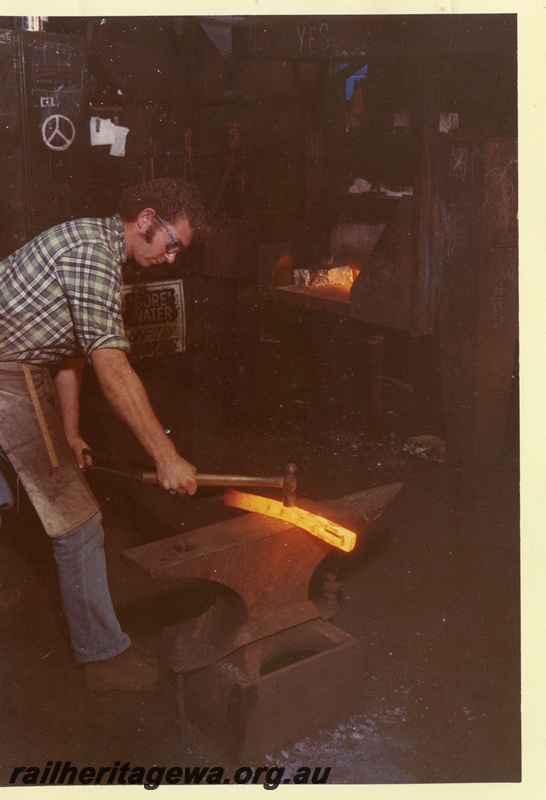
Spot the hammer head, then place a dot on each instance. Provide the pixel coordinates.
(289, 486)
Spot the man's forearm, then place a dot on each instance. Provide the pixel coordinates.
(67, 377)
(126, 394)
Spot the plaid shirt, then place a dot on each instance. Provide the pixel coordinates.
(60, 294)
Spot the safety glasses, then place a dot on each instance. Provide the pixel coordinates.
(175, 245)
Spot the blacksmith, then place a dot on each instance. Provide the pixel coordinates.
(60, 307)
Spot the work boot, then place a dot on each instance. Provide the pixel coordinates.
(9, 598)
(129, 670)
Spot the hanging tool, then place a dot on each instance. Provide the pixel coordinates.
(188, 157)
(233, 170)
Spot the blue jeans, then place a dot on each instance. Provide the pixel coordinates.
(95, 632)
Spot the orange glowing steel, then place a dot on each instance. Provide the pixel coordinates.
(323, 528)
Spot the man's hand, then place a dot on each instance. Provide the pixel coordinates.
(177, 475)
(77, 444)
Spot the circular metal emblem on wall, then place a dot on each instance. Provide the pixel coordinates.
(58, 132)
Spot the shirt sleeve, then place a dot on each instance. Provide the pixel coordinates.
(91, 278)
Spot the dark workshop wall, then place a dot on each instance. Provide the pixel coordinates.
(302, 142)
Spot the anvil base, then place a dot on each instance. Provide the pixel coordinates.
(275, 690)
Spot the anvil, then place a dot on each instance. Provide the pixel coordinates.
(266, 563)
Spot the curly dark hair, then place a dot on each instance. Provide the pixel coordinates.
(171, 198)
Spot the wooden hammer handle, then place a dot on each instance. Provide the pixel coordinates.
(285, 482)
(210, 479)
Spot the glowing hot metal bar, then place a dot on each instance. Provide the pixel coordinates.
(336, 535)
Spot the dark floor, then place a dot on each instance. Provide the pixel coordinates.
(433, 598)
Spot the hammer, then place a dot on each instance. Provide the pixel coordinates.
(287, 482)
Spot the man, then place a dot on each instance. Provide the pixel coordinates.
(60, 305)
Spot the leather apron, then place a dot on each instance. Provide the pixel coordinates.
(60, 495)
